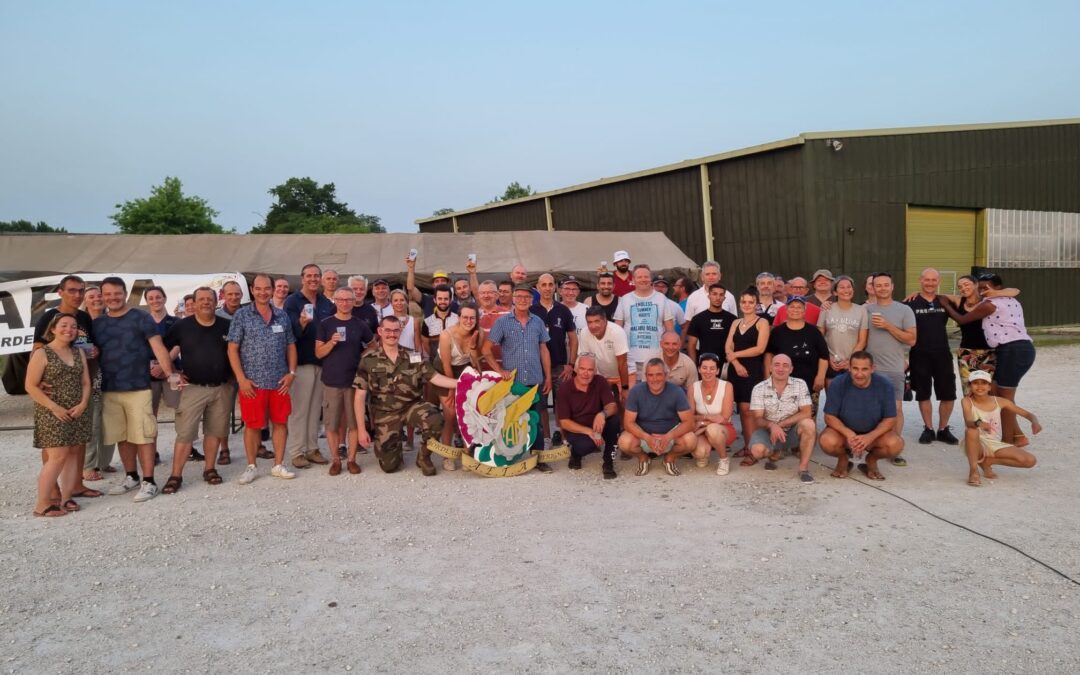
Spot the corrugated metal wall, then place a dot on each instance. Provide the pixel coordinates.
(667, 202)
(758, 216)
(529, 215)
(444, 225)
(857, 197)
(1048, 295)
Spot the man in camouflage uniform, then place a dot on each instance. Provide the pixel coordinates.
(393, 378)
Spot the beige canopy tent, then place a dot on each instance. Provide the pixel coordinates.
(373, 255)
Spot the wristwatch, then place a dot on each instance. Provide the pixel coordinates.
(293, 373)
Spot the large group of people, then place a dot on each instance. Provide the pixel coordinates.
(642, 368)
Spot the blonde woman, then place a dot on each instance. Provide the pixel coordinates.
(459, 346)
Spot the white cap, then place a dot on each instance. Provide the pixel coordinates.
(976, 375)
(620, 255)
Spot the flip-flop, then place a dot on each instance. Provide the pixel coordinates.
(88, 493)
(975, 482)
(71, 506)
(748, 461)
(53, 511)
(876, 475)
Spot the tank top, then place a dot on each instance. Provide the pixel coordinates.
(971, 334)
(993, 417)
(408, 333)
(458, 357)
(703, 408)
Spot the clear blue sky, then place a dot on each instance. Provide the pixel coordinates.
(409, 107)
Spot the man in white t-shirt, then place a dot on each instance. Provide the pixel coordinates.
(607, 342)
(645, 315)
(699, 299)
(569, 290)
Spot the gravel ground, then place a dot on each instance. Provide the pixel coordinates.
(752, 572)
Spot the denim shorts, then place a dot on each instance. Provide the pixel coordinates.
(1014, 359)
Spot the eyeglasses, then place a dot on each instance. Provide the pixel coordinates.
(466, 318)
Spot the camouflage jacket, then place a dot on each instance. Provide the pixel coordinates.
(392, 386)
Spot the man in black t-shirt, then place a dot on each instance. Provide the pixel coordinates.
(804, 344)
(563, 345)
(930, 360)
(206, 394)
(708, 330)
(605, 295)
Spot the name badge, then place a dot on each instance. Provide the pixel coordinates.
(414, 358)
(277, 328)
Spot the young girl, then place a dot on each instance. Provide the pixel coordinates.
(982, 439)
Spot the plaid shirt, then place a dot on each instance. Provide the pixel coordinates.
(521, 346)
(777, 406)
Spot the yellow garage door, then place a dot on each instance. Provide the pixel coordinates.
(944, 239)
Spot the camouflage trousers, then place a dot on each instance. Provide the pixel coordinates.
(388, 431)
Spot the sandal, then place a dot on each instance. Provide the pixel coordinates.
(71, 506)
(53, 511)
(87, 493)
(211, 476)
(172, 485)
(748, 460)
(223, 458)
(109, 469)
(92, 475)
(872, 475)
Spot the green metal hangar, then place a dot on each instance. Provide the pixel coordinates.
(1002, 196)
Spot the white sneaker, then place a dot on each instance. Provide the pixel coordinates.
(249, 474)
(280, 471)
(147, 492)
(724, 467)
(449, 464)
(125, 486)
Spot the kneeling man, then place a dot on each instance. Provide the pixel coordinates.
(860, 416)
(587, 415)
(781, 406)
(658, 421)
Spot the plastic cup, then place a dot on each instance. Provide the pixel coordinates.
(309, 310)
(341, 333)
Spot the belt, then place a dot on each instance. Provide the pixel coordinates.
(198, 384)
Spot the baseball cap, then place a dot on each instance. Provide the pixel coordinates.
(443, 274)
(822, 273)
(384, 282)
(977, 375)
(796, 298)
(660, 280)
(619, 255)
(522, 287)
(570, 280)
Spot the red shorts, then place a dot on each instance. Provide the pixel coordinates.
(253, 410)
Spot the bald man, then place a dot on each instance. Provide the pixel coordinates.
(930, 360)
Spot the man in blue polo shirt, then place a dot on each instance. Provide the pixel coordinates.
(860, 416)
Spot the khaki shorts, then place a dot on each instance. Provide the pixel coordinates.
(335, 403)
(128, 416)
(211, 405)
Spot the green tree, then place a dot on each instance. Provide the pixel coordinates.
(442, 212)
(302, 206)
(514, 190)
(27, 226)
(167, 211)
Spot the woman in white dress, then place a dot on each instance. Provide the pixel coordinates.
(713, 400)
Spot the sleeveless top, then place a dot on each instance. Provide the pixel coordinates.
(407, 338)
(971, 334)
(458, 357)
(993, 417)
(703, 408)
